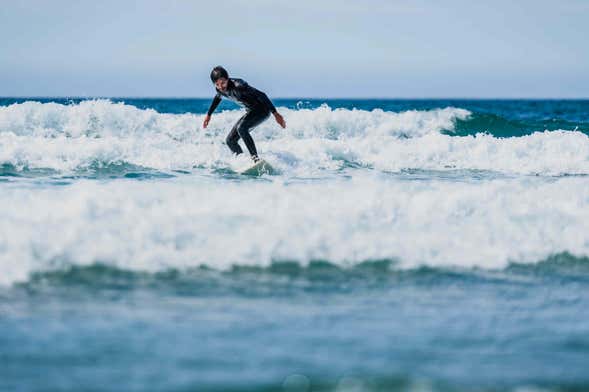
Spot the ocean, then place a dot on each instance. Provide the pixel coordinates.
(401, 245)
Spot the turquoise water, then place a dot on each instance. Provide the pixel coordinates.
(423, 245)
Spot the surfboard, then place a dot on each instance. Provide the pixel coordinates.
(259, 168)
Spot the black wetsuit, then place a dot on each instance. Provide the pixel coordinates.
(258, 107)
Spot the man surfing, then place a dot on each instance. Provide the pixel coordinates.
(257, 104)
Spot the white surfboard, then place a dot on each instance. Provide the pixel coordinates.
(257, 169)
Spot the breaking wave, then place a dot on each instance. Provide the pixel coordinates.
(183, 223)
(100, 133)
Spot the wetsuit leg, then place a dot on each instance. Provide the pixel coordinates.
(233, 137)
(243, 128)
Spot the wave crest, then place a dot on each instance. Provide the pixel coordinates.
(179, 224)
(66, 138)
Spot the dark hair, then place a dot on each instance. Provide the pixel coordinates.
(219, 72)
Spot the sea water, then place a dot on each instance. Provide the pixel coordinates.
(425, 245)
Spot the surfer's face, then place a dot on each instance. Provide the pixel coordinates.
(221, 84)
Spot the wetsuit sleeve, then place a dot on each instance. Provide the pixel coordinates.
(264, 98)
(214, 104)
(253, 94)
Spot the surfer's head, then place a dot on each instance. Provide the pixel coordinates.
(220, 77)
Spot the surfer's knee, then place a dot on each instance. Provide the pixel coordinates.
(231, 139)
(243, 131)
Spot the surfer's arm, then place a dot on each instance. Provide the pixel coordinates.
(253, 94)
(273, 110)
(279, 119)
(214, 104)
(266, 101)
(212, 108)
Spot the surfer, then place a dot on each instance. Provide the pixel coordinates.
(257, 104)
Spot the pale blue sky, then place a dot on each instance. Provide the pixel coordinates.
(297, 48)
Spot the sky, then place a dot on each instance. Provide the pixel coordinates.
(296, 48)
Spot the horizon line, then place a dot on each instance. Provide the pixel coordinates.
(580, 98)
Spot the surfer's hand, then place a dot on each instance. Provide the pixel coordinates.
(279, 119)
(206, 121)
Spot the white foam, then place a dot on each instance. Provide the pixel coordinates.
(69, 137)
(187, 221)
(193, 220)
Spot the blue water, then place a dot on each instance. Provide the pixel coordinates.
(401, 245)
